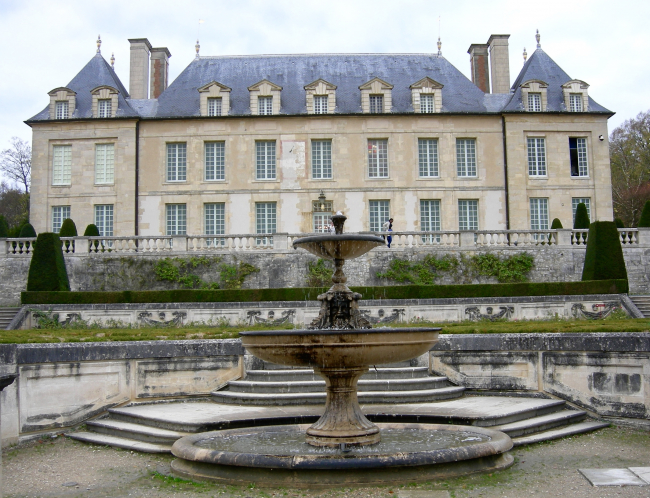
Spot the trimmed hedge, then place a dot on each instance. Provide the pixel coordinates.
(644, 220)
(604, 255)
(581, 220)
(68, 228)
(27, 230)
(47, 271)
(557, 224)
(91, 231)
(311, 293)
(4, 227)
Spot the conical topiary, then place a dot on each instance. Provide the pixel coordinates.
(581, 220)
(604, 255)
(47, 269)
(91, 231)
(68, 228)
(556, 224)
(27, 231)
(644, 221)
(619, 223)
(4, 228)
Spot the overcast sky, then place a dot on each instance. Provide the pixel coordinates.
(43, 43)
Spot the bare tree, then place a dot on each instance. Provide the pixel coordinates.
(14, 205)
(629, 149)
(16, 162)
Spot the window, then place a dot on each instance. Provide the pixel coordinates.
(176, 219)
(104, 163)
(430, 219)
(59, 213)
(321, 159)
(61, 110)
(578, 153)
(61, 164)
(215, 222)
(467, 215)
(214, 106)
(536, 156)
(265, 160)
(379, 214)
(535, 102)
(538, 214)
(575, 102)
(577, 200)
(320, 104)
(176, 162)
(104, 219)
(428, 157)
(466, 156)
(265, 106)
(427, 104)
(378, 158)
(321, 222)
(104, 108)
(215, 161)
(376, 104)
(265, 221)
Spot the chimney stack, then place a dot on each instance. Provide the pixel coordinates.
(499, 63)
(159, 71)
(139, 70)
(478, 58)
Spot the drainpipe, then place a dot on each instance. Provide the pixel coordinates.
(137, 175)
(505, 170)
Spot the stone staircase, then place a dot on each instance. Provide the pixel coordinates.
(643, 304)
(6, 315)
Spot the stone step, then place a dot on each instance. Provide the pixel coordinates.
(558, 433)
(6, 315)
(120, 442)
(542, 423)
(311, 398)
(118, 415)
(308, 374)
(135, 431)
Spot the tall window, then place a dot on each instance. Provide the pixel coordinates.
(214, 106)
(61, 110)
(265, 221)
(378, 158)
(104, 163)
(577, 200)
(61, 164)
(59, 213)
(578, 154)
(430, 219)
(575, 102)
(104, 219)
(535, 102)
(466, 156)
(379, 214)
(265, 160)
(538, 213)
(428, 157)
(427, 104)
(467, 215)
(104, 108)
(536, 156)
(215, 221)
(176, 162)
(376, 104)
(176, 215)
(321, 159)
(265, 106)
(320, 104)
(321, 222)
(215, 160)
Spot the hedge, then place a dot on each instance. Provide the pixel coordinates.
(604, 255)
(47, 272)
(311, 293)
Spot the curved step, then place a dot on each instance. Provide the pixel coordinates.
(138, 432)
(542, 423)
(120, 442)
(299, 374)
(569, 430)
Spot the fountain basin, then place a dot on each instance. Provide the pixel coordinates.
(339, 246)
(278, 456)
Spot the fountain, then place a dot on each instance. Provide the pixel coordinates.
(343, 447)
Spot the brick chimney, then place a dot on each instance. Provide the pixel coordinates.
(159, 71)
(139, 69)
(499, 63)
(478, 59)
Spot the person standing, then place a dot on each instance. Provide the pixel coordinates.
(388, 227)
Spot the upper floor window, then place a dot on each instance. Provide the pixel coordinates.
(104, 101)
(320, 97)
(104, 108)
(61, 110)
(214, 106)
(265, 106)
(428, 157)
(466, 157)
(376, 104)
(62, 103)
(578, 154)
(379, 214)
(104, 163)
(177, 162)
(376, 96)
(321, 159)
(534, 95)
(265, 160)
(427, 104)
(575, 102)
(576, 97)
(265, 98)
(61, 164)
(534, 102)
(176, 217)
(59, 213)
(320, 104)
(536, 156)
(426, 96)
(468, 215)
(214, 99)
(378, 158)
(215, 168)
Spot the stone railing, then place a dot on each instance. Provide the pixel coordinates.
(483, 239)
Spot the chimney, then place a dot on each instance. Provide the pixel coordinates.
(499, 63)
(139, 71)
(159, 71)
(478, 59)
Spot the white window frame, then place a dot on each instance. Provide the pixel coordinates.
(376, 103)
(265, 105)
(62, 109)
(427, 103)
(534, 102)
(214, 217)
(215, 106)
(265, 160)
(104, 164)
(320, 222)
(175, 219)
(265, 221)
(467, 215)
(539, 219)
(430, 219)
(177, 162)
(581, 159)
(321, 159)
(59, 213)
(320, 104)
(379, 213)
(466, 158)
(378, 158)
(61, 164)
(536, 154)
(214, 161)
(575, 102)
(104, 217)
(104, 108)
(428, 158)
(574, 205)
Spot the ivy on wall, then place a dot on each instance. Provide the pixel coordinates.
(319, 273)
(180, 271)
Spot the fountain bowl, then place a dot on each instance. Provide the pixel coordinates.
(339, 246)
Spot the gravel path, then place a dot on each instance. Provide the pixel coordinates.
(61, 467)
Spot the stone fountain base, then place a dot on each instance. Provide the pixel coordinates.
(278, 456)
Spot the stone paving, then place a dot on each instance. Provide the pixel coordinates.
(633, 476)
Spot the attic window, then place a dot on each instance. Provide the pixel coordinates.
(214, 99)
(320, 104)
(426, 96)
(61, 110)
(104, 101)
(265, 98)
(320, 97)
(62, 103)
(576, 97)
(427, 105)
(534, 102)
(104, 108)
(575, 102)
(534, 96)
(265, 106)
(376, 97)
(214, 106)
(376, 104)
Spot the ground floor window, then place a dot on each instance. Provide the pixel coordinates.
(574, 205)
(265, 221)
(176, 219)
(538, 214)
(215, 222)
(430, 219)
(379, 214)
(467, 215)
(59, 213)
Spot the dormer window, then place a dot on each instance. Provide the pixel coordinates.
(534, 95)
(576, 98)
(535, 102)
(376, 97)
(320, 97)
(62, 103)
(320, 104)
(426, 96)
(214, 106)
(265, 106)
(104, 108)
(104, 103)
(265, 98)
(214, 99)
(61, 110)
(575, 102)
(427, 105)
(376, 104)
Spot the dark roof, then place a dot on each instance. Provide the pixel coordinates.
(540, 66)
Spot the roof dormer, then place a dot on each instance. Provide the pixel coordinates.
(376, 97)
(426, 96)
(264, 98)
(215, 99)
(320, 97)
(62, 103)
(104, 103)
(534, 95)
(576, 97)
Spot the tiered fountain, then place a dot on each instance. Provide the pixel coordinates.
(343, 447)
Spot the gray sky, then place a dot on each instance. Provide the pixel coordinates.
(43, 43)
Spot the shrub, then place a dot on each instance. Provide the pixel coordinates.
(619, 223)
(557, 224)
(644, 221)
(4, 228)
(319, 273)
(47, 269)
(604, 256)
(91, 231)
(27, 231)
(582, 217)
(68, 228)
